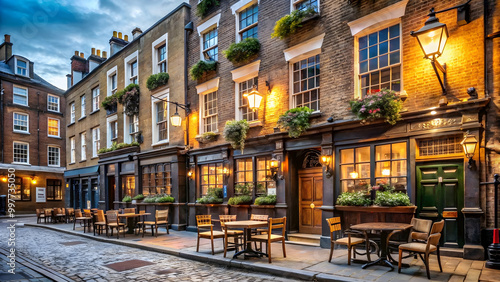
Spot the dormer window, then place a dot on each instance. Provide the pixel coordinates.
(22, 67)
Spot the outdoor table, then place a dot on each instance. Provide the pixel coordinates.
(131, 223)
(386, 229)
(247, 225)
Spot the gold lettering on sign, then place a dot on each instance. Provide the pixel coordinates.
(450, 214)
(435, 123)
(470, 117)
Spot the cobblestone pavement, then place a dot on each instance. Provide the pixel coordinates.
(22, 273)
(84, 260)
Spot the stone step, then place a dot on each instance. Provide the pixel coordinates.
(304, 239)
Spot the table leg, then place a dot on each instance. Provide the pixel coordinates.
(383, 260)
(130, 225)
(248, 251)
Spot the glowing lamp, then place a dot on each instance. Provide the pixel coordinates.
(386, 172)
(274, 163)
(176, 119)
(254, 98)
(354, 174)
(4, 178)
(432, 37)
(469, 143)
(325, 160)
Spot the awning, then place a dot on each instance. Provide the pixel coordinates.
(77, 172)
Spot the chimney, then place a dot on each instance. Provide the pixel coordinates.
(98, 53)
(79, 67)
(68, 81)
(104, 54)
(94, 60)
(93, 51)
(82, 55)
(6, 48)
(136, 32)
(116, 43)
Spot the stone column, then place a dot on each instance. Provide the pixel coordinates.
(282, 178)
(328, 188)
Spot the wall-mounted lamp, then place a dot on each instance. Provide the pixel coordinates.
(190, 174)
(469, 144)
(325, 162)
(33, 179)
(4, 178)
(432, 38)
(225, 171)
(254, 98)
(274, 166)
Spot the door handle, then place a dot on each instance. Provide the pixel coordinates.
(312, 205)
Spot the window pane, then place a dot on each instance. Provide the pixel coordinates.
(347, 156)
(363, 170)
(363, 154)
(399, 150)
(383, 169)
(382, 152)
(398, 168)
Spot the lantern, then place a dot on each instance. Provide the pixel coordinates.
(254, 98)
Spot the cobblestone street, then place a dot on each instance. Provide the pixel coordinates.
(84, 260)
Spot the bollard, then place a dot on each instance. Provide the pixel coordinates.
(494, 248)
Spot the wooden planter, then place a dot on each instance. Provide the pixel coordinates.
(355, 215)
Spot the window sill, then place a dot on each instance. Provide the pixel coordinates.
(72, 163)
(21, 132)
(316, 114)
(315, 16)
(55, 137)
(164, 142)
(26, 164)
(91, 113)
(82, 161)
(54, 112)
(256, 123)
(82, 118)
(93, 158)
(54, 165)
(70, 124)
(17, 104)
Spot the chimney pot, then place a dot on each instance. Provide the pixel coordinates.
(93, 51)
(98, 52)
(77, 53)
(126, 38)
(115, 34)
(104, 54)
(82, 55)
(120, 35)
(136, 32)
(7, 38)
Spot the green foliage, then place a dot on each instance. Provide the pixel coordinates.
(384, 104)
(205, 5)
(127, 199)
(109, 102)
(213, 196)
(235, 132)
(129, 98)
(391, 199)
(156, 80)
(201, 68)
(150, 199)
(207, 137)
(118, 146)
(265, 200)
(289, 24)
(138, 197)
(242, 51)
(240, 200)
(243, 189)
(165, 199)
(295, 121)
(353, 199)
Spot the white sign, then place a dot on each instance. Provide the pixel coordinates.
(40, 195)
(271, 191)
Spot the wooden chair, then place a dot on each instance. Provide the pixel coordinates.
(431, 245)
(235, 234)
(100, 222)
(273, 223)
(139, 223)
(113, 222)
(82, 219)
(70, 214)
(350, 241)
(258, 231)
(40, 213)
(59, 215)
(48, 215)
(129, 210)
(418, 233)
(204, 222)
(161, 218)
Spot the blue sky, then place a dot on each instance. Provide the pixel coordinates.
(49, 32)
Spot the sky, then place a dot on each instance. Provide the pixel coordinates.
(49, 32)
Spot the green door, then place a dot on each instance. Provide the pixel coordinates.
(440, 195)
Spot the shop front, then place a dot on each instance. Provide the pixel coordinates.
(82, 187)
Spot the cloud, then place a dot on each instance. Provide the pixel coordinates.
(48, 32)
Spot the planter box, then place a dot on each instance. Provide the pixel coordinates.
(123, 151)
(112, 110)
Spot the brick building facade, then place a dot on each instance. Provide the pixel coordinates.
(32, 134)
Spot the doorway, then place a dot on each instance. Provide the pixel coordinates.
(310, 200)
(110, 190)
(440, 195)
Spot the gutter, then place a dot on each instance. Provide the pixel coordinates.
(1, 120)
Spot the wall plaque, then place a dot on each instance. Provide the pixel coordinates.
(436, 123)
(450, 214)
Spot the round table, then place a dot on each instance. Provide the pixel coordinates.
(131, 223)
(247, 225)
(386, 230)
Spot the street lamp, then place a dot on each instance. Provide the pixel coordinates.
(176, 119)
(274, 166)
(469, 144)
(254, 98)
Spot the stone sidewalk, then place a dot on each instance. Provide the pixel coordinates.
(302, 262)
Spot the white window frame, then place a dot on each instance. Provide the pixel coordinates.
(203, 89)
(157, 98)
(109, 120)
(96, 99)
(83, 106)
(27, 152)
(58, 157)
(58, 127)
(129, 136)
(113, 71)
(20, 87)
(72, 107)
(58, 103)
(27, 67)
(127, 62)
(293, 5)
(72, 148)
(83, 146)
(239, 75)
(207, 26)
(96, 142)
(14, 122)
(236, 9)
(154, 49)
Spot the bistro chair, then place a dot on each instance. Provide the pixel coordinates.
(258, 231)
(139, 223)
(129, 210)
(113, 222)
(204, 222)
(40, 213)
(100, 222)
(82, 219)
(48, 215)
(273, 223)
(70, 214)
(418, 233)
(161, 218)
(235, 234)
(431, 245)
(59, 215)
(351, 241)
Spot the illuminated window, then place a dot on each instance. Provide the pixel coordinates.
(440, 146)
(157, 179)
(54, 189)
(22, 189)
(53, 127)
(245, 88)
(390, 165)
(355, 169)
(128, 185)
(244, 175)
(211, 177)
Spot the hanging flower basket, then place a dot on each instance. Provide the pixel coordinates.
(243, 51)
(384, 104)
(129, 98)
(235, 132)
(289, 24)
(295, 121)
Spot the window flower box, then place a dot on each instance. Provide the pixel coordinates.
(384, 104)
(243, 51)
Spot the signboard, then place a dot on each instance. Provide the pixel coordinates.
(41, 197)
(271, 191)
(225, 191)
(450, 214)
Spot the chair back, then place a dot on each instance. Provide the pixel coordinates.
(62, 211)
(100, 216)
(48, 212)
(259, 217)
(111, 217)
(435, 235)
(276, 223)
(204, 219)
(161, 215)
(142, 212)
(420, 229)
(87, 213)
(334, 224)
(78, 213)
(70, 211)
(226, 218)
(39, 212)
(129, 210)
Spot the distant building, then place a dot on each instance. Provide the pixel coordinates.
(32, 131)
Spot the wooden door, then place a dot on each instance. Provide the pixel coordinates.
(440, 195)
(310, 199)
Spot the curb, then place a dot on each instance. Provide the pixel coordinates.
(207, 258)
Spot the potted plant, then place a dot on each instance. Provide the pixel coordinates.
(129, 98)
(207, 137)
(110, 104)
(384, 104)
(139, 197)
(235, 132)
(164, 199)
(240, 200)
(127, 199)
(265, 200)
(353, 199)
(295, 121)
(156, 80)
(204, 6)
(242, 51)
(213, 196)
(289, 24)
(150, 199)
(392, 199)
(199, 69)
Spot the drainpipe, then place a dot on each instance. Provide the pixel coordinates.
(1, 118)
(485, 22)
(187, 30)
(38, 131)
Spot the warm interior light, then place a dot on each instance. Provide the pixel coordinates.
(4, 178)
(254, 98)
(386, 172)
(354, 174)
(433, 112)
(225, 171)
(176, 119)
(33, 181)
